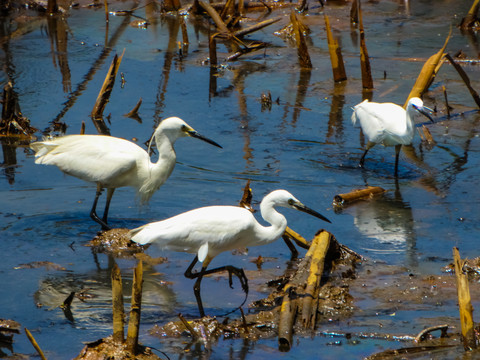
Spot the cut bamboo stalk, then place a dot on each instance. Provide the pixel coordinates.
(464, 303)
(320, 245)
(117, 305)
(135, 309)
(427, 74)
(465, 79)
(107, 87)
(367, 81)
(302, 49)
(354, 12)
(336, 58)
(288, 311)
(35, 344)
(357, 194)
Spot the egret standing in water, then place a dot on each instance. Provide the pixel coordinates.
(211, 230)
(388, 123)
(112, 162)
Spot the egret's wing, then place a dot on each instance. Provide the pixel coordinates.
(89, 157)
(220, 226)
(379, 120)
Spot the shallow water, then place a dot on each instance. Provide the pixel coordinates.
(305, 144)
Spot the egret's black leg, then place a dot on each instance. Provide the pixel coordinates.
(362, 159)
(110, 192)
(93, 212)
(397, 154)
(239, 273)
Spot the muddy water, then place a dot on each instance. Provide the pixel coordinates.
(305, 143)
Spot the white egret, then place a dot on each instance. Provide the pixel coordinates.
(112, 162)
(209, 231)
(388, 123)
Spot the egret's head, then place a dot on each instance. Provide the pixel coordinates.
(285, 199)
(417, 104)
(174, 128)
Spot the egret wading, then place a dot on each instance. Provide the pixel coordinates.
(112, 162)
(388, 123)
(209, 231)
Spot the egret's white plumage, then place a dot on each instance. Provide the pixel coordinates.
(388, 124)
(211, 230)
(113, 162)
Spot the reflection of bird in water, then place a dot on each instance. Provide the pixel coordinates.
(113, 162)
(387, 222)
(92, 304)
(388, 123)
(209, 231)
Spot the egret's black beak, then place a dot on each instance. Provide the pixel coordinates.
(303, 208)
(195, 134)
(425, 111)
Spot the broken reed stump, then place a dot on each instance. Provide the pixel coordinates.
(428, 73)
(117, 305)
(367, 81)
(135, 309)
(302, 49)
(471, 20)
(106, 90)
(464, 303)
(336, 58)
(357, 194)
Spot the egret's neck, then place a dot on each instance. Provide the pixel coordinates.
(158, 172)
(277, 221)
(410, 113)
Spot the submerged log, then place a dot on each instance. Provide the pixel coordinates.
(367, 81)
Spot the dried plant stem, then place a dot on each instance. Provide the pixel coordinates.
(135, 309)
(299, 239)
(215, 16)
(117, 305)
(465, 79)
(35, 344)
(464, 303)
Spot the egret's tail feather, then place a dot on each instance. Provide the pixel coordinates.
(139, 236)
(41, 149)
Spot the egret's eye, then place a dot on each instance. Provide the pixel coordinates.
(291, 202)
(184, 128)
